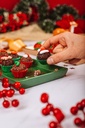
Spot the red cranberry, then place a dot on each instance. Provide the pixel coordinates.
(6, 103)
(45, 111)
(44, 97)
(83, 103)
(15, 103)
(79, 105)
(74, 110)
(53, 124)
(49, 107)
(78, 121)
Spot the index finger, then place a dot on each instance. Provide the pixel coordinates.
(50, 41)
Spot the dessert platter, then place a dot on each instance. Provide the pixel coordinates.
(28, 71)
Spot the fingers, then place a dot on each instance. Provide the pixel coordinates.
(60, 57)
(58, 48)
(50, 41)
(58, 39)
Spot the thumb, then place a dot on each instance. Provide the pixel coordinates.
(60, 57)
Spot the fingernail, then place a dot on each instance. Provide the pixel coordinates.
(50, 61)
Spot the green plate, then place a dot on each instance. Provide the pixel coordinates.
(49, 73)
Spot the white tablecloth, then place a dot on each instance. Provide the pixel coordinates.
(63, 93)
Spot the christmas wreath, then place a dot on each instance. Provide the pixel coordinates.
(29, 11)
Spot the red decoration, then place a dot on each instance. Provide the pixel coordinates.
(49, 109)
(44, 98)
(65, 23)
(9, 92)
(15, 103)
(13, 21)
(80, 106)
(37, 45)
(6, 103)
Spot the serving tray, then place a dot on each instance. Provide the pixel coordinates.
(48, 73)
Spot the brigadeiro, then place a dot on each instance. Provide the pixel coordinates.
(14, 56)
(43, 54)
(19, 70)
(26, 60)
(6, 63)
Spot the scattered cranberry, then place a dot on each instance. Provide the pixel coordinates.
(45, 111)
(56, 111)
(6, 103)
(5, 80)
(74, 110)
(49, 107)
(44, 97)
(17, 85)
(59, 116)
(5, 84)
(83, 103)
(21, 91)
(78, 121)
(15, 103)
(10, 93)
(53, 124)
(79, 105)
(4, 91)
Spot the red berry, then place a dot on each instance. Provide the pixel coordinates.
(83, 103)
(5, 84)
(83, 124)
(53, 124)
(5, 80)
(78, 121)
(45, 111)
(74, 110)
(58, 114)
(79, 105)
(10, 93)
(49, 107)
(4, 92)
(21, 91)
(17, 85)
(56, 111)
(1, 94)
(6, 103)
(44, 97)
(15, 103)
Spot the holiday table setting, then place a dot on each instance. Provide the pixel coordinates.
(48, 96)
(25, 107)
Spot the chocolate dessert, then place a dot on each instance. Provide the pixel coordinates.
(3, 53)
(43, 55)
(26, 59)
(19, 71)
(19, 67)
(14, 55)
(6, 61)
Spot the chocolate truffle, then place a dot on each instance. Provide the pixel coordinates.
(19, 67)
(19, 71)
(27, 61)
(6, 61)
(43, 55)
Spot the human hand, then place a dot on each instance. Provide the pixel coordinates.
(69, 46)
